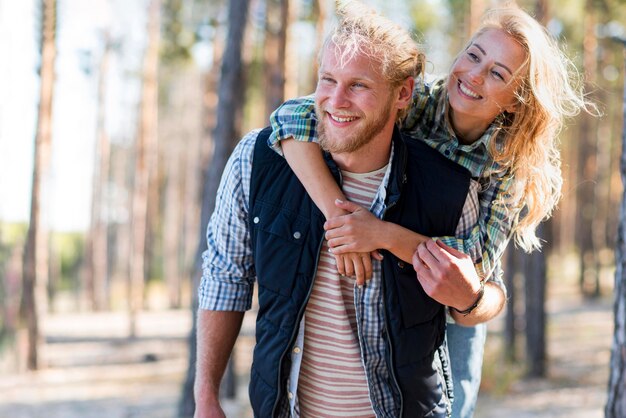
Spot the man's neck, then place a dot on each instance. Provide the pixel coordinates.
(368, 158)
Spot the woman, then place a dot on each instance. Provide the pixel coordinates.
(497, 113)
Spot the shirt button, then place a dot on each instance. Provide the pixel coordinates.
(297, 235)
(447, 152)
(290, 395)
(297, 350)
(401, 264)
(256, 220)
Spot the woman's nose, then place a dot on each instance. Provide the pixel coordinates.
(477, 75)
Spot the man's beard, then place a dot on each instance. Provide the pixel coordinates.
(356, 139)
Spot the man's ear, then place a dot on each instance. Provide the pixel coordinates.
(405, 93)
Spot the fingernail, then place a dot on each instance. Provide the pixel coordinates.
(338, 201)
(330, 250)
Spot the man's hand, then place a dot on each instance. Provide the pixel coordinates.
(447, 275)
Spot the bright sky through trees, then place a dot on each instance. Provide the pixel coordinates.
(79, 45)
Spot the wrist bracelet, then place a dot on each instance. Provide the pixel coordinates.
(469, 310)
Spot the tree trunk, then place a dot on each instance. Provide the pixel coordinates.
(616, 403)
(535, 291)
(277, 16)
(145, 159)
(587, 169)
(230, 95)
(97, 246)
(511, 269)
(319, 16)
(34, 302)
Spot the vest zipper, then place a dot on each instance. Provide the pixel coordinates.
(386, 318)
(301, 311)
(299, 319)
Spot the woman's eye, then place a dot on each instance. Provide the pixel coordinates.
(359, 85)
(472, 56)
(497, 75)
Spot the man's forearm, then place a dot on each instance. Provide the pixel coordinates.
(489, 307)
(216, 336)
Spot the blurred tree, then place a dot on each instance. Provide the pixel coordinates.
(230, 102)
(587, 165)
(276, 28)
(145, 159)
(175, 55)
(36, 252)
(616, 403)
(97, 249)
(320, 14)
(535, 276)
(180, 131)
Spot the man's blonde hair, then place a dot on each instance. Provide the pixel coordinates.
(550, 90)
(361, 30)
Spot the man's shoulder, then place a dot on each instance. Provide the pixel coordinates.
(245, 147)
(249, 139)
(421, 152)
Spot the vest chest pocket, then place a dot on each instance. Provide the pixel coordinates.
(278, 238)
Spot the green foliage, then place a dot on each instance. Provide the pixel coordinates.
(425, 15)
(177, 38)
(12, 238)
(68, 248)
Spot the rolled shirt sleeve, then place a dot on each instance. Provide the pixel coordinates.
(228, 273)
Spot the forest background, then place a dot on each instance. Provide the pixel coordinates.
(116, 118)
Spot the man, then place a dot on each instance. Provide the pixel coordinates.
(325, 347)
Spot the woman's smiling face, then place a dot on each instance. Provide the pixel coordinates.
(484, 79)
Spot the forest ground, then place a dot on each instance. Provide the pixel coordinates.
(95, 371)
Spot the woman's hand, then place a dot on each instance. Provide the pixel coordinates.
(350, 262)
(358, 231)
(356, 264)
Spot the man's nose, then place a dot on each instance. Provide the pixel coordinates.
(339, 98)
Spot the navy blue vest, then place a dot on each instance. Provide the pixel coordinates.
(426, 193)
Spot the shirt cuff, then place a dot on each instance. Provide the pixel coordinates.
(224, 295)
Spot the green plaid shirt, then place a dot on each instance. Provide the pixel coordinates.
(428, 121)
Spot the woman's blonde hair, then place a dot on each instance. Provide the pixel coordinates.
(361, 30)
(550, 91)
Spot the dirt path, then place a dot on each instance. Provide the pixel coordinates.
(96, 372)
(579, 338)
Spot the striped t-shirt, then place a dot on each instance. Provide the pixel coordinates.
(332, 380)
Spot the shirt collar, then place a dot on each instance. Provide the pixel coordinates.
(491, 133)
